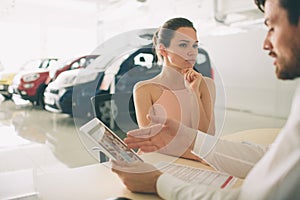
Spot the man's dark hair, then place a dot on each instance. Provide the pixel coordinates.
(291, 6)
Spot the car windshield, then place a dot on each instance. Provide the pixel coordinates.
(60, 63)
(47, 63)
(86, 61)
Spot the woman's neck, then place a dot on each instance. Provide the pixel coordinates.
(171, 78)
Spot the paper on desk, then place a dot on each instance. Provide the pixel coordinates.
(18, 184)
(196, 175)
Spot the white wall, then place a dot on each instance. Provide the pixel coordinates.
(34, 29)
(248, 73)
(128, 15)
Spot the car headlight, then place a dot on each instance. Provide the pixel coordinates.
(31, 77)
(28, 85)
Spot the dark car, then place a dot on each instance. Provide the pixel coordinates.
(29, 84)
(119, 77)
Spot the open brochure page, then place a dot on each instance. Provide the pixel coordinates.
(197, 175)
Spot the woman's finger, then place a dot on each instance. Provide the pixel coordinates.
(156, 119)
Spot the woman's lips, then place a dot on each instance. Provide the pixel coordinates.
(191, 61)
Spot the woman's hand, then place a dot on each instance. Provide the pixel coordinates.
(192, 78)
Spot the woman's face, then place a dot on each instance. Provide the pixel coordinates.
(183, 50)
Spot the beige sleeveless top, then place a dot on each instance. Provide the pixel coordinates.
(180, 105)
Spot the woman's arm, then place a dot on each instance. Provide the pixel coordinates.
(142, 102)
(207, 96)
(204, 90)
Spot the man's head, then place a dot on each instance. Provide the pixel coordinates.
(291, 6)
(283, 36)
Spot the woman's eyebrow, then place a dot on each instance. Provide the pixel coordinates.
(188, 41)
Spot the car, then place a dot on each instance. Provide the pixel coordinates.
(6, 79)
(7, 76)
(120, 76)
(52, 102)
(29, 84)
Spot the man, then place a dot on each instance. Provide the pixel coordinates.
(272, 173)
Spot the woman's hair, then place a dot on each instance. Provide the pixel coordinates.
(291, 6)
(165, 33)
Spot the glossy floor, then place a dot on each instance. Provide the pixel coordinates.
(32, 138)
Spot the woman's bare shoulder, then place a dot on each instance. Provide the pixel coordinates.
(208, 87)
(208, 79)
(148, 85)
(208, 82)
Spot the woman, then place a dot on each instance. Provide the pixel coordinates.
(178, 89)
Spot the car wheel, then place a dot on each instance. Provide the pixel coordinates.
(7, 97)
(40, 98)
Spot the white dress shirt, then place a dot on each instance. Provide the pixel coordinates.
(270, 173)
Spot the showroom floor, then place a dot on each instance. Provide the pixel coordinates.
(32, 138)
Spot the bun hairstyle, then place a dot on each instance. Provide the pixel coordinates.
(165, 33)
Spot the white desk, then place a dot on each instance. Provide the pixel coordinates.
(95, 181)
(98, 182)
(260, 136)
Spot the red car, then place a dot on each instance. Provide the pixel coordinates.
(29, 84)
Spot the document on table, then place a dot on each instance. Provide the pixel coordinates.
(197, 175)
